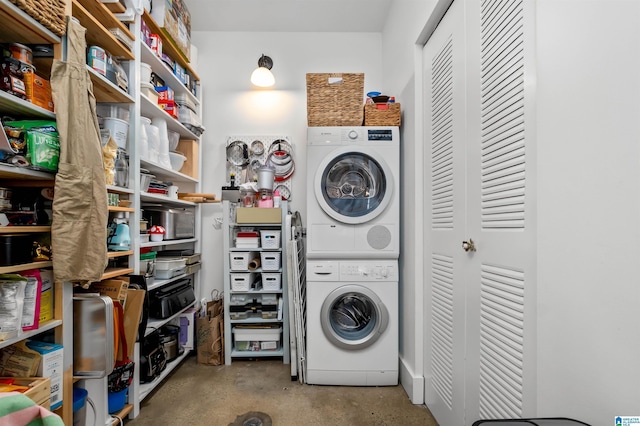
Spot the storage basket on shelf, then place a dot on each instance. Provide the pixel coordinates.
(50, 13)
(270, 239)
(241, 281)
(335, 99)
(271, 281)
(387, 114)
(239, 261)
(270, 260)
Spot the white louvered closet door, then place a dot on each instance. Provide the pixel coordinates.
(445, 216)
(496, 282)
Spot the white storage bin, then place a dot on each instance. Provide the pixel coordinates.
(119, 130)
(270, 260)
(260, 334)
(168, 263)
(271, 281)
(241, 281)
(270, 239)
(239, 261)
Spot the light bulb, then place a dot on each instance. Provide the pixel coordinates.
(262, 77)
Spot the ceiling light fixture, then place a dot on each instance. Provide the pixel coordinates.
(262, 76)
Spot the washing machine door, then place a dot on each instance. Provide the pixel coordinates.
(353, 317)
(352, 185)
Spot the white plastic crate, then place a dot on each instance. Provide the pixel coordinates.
(239, 260)
(270, 239)
(271, 281)
(241, 281)
(270, 260)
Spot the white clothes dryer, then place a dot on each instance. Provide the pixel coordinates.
(353, 192)
(352, 322)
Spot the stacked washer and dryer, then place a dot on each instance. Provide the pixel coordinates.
(353, 212)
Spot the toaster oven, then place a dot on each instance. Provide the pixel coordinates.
(179, 223)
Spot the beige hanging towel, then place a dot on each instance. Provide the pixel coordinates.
(80, 212)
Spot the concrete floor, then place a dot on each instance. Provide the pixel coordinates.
(215, 396)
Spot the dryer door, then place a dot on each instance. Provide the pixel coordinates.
(352, 186)
(353, 317)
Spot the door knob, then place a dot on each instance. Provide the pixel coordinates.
(468, 245)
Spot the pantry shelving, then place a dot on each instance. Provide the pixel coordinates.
(19, 27)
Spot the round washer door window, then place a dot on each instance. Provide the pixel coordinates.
(353, 317)
(352, 186)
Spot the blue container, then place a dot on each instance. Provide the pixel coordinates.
(79, 409)
(117, 400)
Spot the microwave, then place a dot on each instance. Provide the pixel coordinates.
(179, 223)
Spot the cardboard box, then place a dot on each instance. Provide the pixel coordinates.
(18, 360)
(39, 389)
(51, 366)
(190, 150)
(258, 215)
(115, 289)
(132, 314)
(38, 90)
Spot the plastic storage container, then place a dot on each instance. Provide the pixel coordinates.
(241, 281)
(239, 261)
(270, 261)
(270, 239)
(119, 130)
(271, 281)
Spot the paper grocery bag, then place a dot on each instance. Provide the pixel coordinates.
(210, 335)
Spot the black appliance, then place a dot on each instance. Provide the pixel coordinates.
(153, 358)
(171, 298)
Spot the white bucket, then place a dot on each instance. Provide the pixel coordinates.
(119, 130)
(145, 73)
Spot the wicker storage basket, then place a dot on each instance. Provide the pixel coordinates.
(335, 99)
(50, 13)
(382, 114)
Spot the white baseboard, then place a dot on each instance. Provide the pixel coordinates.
(412, 383)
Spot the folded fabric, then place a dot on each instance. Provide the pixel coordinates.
(17, 409)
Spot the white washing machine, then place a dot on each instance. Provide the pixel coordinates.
(353, 192)
(352, 322)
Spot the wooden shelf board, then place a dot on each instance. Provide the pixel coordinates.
(102, 13)
(121, 209)
(98, 34)
(106, 91)
(23, 229)
(122, 414)
(23, 29)
(114, 254)
(116, 7)
(115, 272)
(24, 267)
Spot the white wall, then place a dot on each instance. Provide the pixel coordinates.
(233, 107)
(404, 24)
(588, 56)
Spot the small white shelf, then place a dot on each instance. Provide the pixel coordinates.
(49, 325)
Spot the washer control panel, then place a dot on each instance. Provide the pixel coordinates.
(373, 270)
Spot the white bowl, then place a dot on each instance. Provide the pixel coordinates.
(177, 160)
